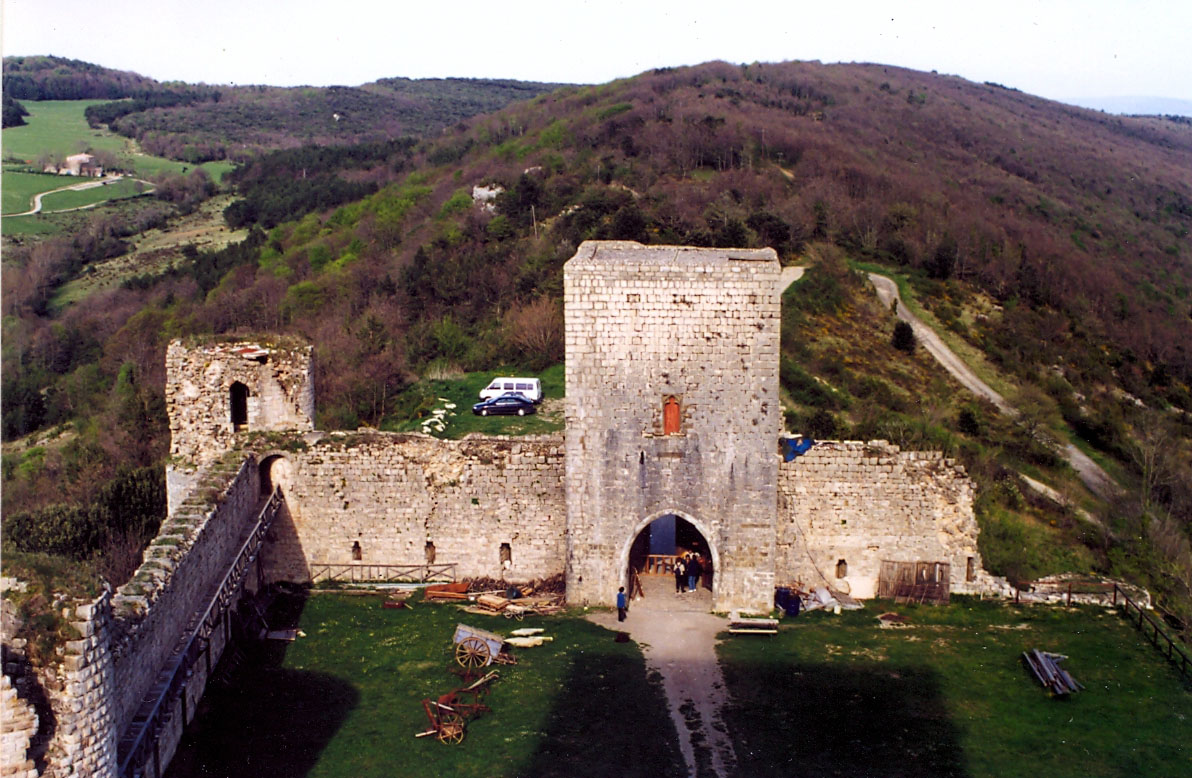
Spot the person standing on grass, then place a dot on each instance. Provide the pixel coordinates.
(680, 574)
(694, 571)
(622, 604)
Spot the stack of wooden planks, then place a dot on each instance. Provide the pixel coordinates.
(448, 591)
(1046, 668)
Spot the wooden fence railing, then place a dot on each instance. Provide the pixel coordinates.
(359, 572)
(1158, 637)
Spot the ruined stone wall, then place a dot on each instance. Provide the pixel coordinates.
(183, 568)
(394, 493)
(18, 726)
(279, 380)
(76, 734)
(867, 502)
(648, 323)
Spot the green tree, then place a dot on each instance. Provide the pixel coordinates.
(904, 337)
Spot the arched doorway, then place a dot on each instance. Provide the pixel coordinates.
(274, 471)
(650, 556)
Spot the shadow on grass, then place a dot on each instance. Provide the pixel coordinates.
(827, 720)
(608, 720)
(269, 722)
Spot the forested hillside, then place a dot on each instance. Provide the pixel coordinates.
(1051, 242)
(199, 123)
(58, 78)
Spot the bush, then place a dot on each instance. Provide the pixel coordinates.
(904, 337)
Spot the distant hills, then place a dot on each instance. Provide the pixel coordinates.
(1136, 106)
(199, 122)
(1050, 243)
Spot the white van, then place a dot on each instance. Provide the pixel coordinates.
(531, 388)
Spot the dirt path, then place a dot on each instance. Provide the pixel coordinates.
(887, 291)
(678, 637)
(1097, 480)
(789, 276)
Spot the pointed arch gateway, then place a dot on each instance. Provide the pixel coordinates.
(654, 541)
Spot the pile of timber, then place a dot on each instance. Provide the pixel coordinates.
(1046, 668)
(447, 591)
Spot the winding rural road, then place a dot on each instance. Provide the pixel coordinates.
(36, 202)
(1097, 480)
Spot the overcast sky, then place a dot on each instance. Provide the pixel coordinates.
(1062, 49)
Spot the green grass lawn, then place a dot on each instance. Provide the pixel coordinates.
(19, 188)
(949, 696)
(75, 198)
(346, 701)
(59, 127)
(464, 393)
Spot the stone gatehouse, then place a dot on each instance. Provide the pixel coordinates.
(672, 412)
(672, 431)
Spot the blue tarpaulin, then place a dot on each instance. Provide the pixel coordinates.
(787, 600)
(793, 447)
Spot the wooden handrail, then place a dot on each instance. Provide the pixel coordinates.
(197, 642)
(1174, 653)
(363, 572)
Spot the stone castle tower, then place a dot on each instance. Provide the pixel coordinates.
(672, 410)
(215, 390)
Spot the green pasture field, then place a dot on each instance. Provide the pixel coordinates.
(76, 198)
(59, 127)
(25, 226)
(464, 393)
(345, 701)
(19, 188)
(949, 695)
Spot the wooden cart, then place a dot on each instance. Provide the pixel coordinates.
(478, 648)
(449, 714)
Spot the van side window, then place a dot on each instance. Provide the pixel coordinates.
(523, 387)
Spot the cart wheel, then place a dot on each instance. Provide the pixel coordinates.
(521, 616)
(472, 652)
(451, 728)
(508, 614)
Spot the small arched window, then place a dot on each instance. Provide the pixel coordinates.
(842, 569)
(430, 553)
(238, 397)
(670, 416)
(357, 552)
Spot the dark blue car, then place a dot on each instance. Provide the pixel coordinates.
(509, 403)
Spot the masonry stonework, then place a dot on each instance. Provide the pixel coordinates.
(216, 390)
(862, 503)
(672, 407)
(385, 497)
(649, 327)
